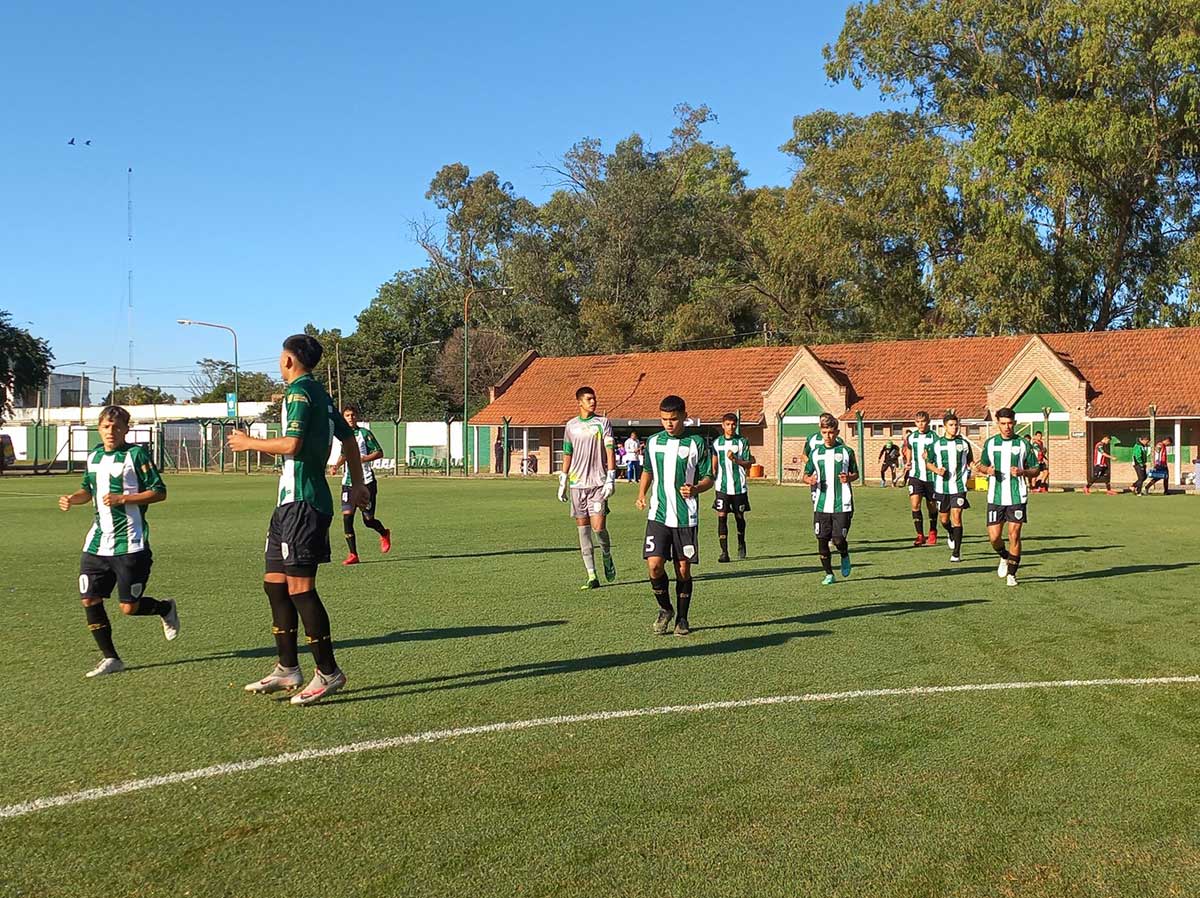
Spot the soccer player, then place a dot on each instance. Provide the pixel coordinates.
(678, 468)
(1007, 460)
(298, 535)
(1141, 458)
(730, 462)
(590, 472)
(952, 460)
(1041, 483)
(633, 448)
(918, 445)
(1101, 467)
(1159, 469)
(815, 439)
(120, 481)
(368, 450)
(830, 469)
(889, 461)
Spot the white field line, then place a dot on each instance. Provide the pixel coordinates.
(24, 808)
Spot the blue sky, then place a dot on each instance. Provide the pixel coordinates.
(279, 152)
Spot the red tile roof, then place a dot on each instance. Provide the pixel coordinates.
(1125, 370)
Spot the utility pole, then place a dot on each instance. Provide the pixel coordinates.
(113, 395)
(337, 353)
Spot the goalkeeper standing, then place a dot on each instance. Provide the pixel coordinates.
(589, 475)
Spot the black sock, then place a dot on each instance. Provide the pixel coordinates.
(316, 626)
(956, 534)
(723, 533)
(147, 605)
(1014, 562)
(348, 528)
(823, 552)
(933, 520)
(284, 622)
(662, 593)
(842, 547)
(741, 527)
(97, 621)
(1003, 552)
(683, 597)
(376, 525)
(919, 522)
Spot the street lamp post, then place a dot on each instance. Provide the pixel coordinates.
(400, 403)
(236, 395)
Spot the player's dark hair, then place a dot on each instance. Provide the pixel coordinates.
(114, 413)
(922, 416)
(673, 403)
(350, 407)
(306, 349)
(828, 420)
(729, 416)
(948, 417)
(1006, 412)
(1037, 433)
(584, 391)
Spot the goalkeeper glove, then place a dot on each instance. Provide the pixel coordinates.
(610, 484)
(562, 486)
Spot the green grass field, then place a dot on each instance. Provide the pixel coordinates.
(476, 618)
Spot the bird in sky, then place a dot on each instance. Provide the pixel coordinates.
(71, 142)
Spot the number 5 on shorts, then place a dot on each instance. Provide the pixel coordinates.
(650, 544)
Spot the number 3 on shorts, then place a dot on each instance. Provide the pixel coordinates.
(650, 544)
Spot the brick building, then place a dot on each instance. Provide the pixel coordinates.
(1078, 387)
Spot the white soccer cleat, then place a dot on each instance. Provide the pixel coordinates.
(106, 666)
(955, 558)
(1002, 569)
(170, 622)
(1011, 581)
(319, 687)
(281, 679)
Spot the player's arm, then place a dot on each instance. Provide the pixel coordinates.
(643, 485)
(374, 450)
(810, 473)
(240, 441)
(704, 471)
(851, 473)
(743, 459)
(151, 488)
(81, 496)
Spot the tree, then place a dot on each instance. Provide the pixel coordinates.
(215, 379)
(24, 362)
(139, 395)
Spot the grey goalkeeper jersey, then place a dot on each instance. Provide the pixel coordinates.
(587, 442)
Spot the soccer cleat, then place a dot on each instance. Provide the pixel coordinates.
(592, 583)
(385, 542)
(932, 541)
(920, 540)
(955, 558)
(845, 566)
(828, 581)
(741, 550)
(106, 666)
(170, 621)
(1087, 490)
(610, 567)
(723, 558)
(351, 559)
(681, 627)
(1111, 492)
(319, 687)
(1011, 580)
(1002, 568)
(281, 679)
(663, 623)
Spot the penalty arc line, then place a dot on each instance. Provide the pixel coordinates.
(25, 808)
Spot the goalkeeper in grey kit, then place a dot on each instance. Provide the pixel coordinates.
(589, 477)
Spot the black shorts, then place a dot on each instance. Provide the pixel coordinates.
(732, 503)
(369, 511)
(947, 501)
(98, 574)
(1099, 472)
(830, 525)
(1011, 514)
(923, 488)
(671, 543)
(297, 540)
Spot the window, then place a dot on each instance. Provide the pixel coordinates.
(556, 450)
(851, 431)
(516, 440)
(877, 430)
(974, 430)
(68, 397)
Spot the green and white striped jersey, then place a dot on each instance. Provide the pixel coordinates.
(829, 463)
(920, 453)
(1003, 488)
(815, 441)
(955, 456)
(120, 530)
(672, 462)
(366, 445)
(730, 478)
(308, 414)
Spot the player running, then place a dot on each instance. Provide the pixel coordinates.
(1007, 460)
(678, 468)
(298, 535)
(590, 472)
(952, 460)
(120, 481)
(1101, 466)
(731, 459)
(918, 445)
(830, 469)
(369, 450)
(889, 463)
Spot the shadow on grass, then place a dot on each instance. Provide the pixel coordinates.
(422, 635)
(670, 650)
(533, 551)
(891, 609)
(1121, 571)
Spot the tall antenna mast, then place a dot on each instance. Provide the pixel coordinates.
(129, 248)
